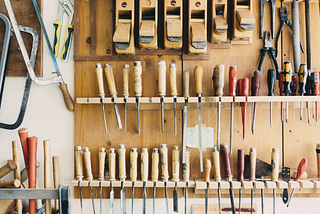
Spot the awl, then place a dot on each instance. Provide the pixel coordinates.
(99, 74)
(122, 177)
(244, 91)
(144, 176)
(256, 86)
(102, 157)
(174, 92)
(125, 72)
(137, 77)
(162, 87)
(216, 172)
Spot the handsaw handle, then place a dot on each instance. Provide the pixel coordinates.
(67, 97)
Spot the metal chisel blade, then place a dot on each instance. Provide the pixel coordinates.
(104, 118)
(232, 200)
(184, 131)
(219, 198)
(154, 197)
(111, 201)
(175, 116)
(116, 109)
(123, 199)
(81, 200)
(144, 198)
(175, 199)
(132, 197)
(100, 198)
(206, 200)
(200, 136)
(125, 116)
(94, 210)
(162, 116)
(166, 192)
(231, 127)
(138, 115)
(185, 198)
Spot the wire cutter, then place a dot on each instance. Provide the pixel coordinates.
(268, 47)
(284, 17)
(65, 6)
(272, 4)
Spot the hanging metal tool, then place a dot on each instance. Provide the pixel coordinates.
(286, 78)
(232, 93)
(185, 114)
(286, 177)
(79, 170)
(240, 172)
(185, 178)
(275, 159)
(162, 87)
(88, 170)
(308, 91)
(175, 175)
(163, 151)
(206, 175)
(112, 177)
(271, 80)
(125, 72)
(122, 177)
(256, 86)
(174, 92)
(216, 172)
(253, 157)
(137, 78)
(296, 35)
(102, 158)
(99, 74)
(133, 170)
(144, 176)
(155, 174)
(272, 4)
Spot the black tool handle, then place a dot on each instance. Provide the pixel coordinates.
(263, 52)
(271, 80)
(302, 79)
(275, 62)
(308, 84)
(293, 85)
(286, 77)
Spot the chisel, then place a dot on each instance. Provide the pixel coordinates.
(232, 93)
(240, 172)
(32, 146)
(106, 166)
(216, 172)
(102, 157)
(125, 72)
(55, 165)
(155, 174)
(253, 158)
(275, 158)
(122, 177)
(316, 89)
(185, 114)
(87, 168)
(218, 82)
(99, 74)
(293, 88)
(144, 176)
(271, 80)
(112, 177)
(175, 175)
(185, 178)
(47, 173)
(137, 77)
(79, 170)
(113, 91)
(163, 151)
(244, 91)
(256, 86)
(174, 92)
(162, 87)
(198, 75)
(286, 78)
(133, 170)
(16, 159)
(206, 175)
(227, 167)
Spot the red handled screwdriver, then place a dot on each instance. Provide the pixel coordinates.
(232, 93)
(244, 91)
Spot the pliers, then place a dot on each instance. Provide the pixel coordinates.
(284, 17)
(268, 47)
(272, 4)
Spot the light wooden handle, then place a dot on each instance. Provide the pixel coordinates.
(125, 72)
(110, 79)
(155, 165)
(112, 164)
(67, 97)
(10, 184)
(87, 163)
(275, 164)
(102, 157)
(216, 164)
(207, 169)
(318, 159)
(163, 151)
(99, 74)
(186, 78)
(137, 78)
(32, 145)
(78, 162)
(10, 166)
(173, 79)
(186, 168)
(198, 75)
(47, 173)
(16, 159)
(133, 164)
(218, 79)
(253, 158)
(144, 164)
(162, 78)
(122, 162)
(55, 164)
(23, 134)
(175, 163)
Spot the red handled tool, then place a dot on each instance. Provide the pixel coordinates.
(244, 91)
(32, 145)
(232, 93)
(255, 92)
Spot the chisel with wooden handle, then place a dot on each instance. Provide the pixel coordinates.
(185, 178)
(55, 165)
(17, 175)
(133, 170)
(198, 75)
(47, 173)
(232, 93)
(174, 92)
(102, 157)
(253, 160)
(122, 177)
(154, 174)
(144, 176)
(186, 78)
(175, 175)
(79, 170)
(32, 146)
(125, 72)
(162, 87)
(206, 175)
(99, 74)
(88, 170)
(163, 151)
(216, 172)
(137, 77)
(112, 177)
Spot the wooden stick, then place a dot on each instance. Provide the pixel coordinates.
(10, 166)
(10, 184)
(16, 159)
(55, 162)
(47, 173)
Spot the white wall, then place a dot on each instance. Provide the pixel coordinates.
(47, 118)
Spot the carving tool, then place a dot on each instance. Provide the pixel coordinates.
(133, 170)
(113, 91)
(99, 74)
(155, 174)
(286, 78)
(240, 172)
(318, 160)
(253, 157)
(293, 88)
(185, 178)
(232, 93)
(125, 72)
(227, 167)
(162, 87)
(17, 176)
(112, 177)
(244, 91)
(174, 92)
(144, 176)
(218, 82)
(88, 170)
(137, 77)
(207, 169)
(301, 169)
(47, 173)
(316, 89)
(198, 75)
(175, 175)
(32, 146)
(122, 177)
(55, 165)
(216, 172)
(256, 87)
(102, 157)
(271, 80)
(163, 151)
(79, 170)
(281, 88)
(185, 114)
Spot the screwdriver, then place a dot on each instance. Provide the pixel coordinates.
(232, 93)
(133, 170)
(198, 75)
(271, 80)
(99, 74)
(308, 92)
(244, 91)
(185, 114)
(293, 88)
(174, 92)
(162, 87)
(113, 92)
(218, 82)
(256, 86)
(281, 87)
(125, 93)
(316, 89)
(240, 172)
(137, 77)
(286, 78)
(302, 83)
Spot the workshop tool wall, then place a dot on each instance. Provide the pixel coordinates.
(94, 29)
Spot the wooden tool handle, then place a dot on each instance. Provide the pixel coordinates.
(112, 164)
(137, 78)
(173, 80)
(55, 164)
(32, 145)
(78, 162)
(99, 74)
(87, 163)
(67, 97)
(144, 164)
(155, 165)
(125, 72)
(186, 168)
(23, 134)
(110, 79)
(162, 78)
(218, 79)
(244, 87)
(10, 166)
(318, 159)
(207, 170)
(232, 81)
(301, 168)
(253, 158)
(226, 161)
(198, 75)
(134, 164)
(216, 164)
(275, 164)
(175, 163)
(102, 158)
(256, 82)
(186, 78)
(240, 165)
(163, 151)
(17, 175)
(24, 174)
(122, 162)
(10, 184)
(47, 173)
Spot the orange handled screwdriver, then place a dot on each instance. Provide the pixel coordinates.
(244, 91)
(232, 93)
